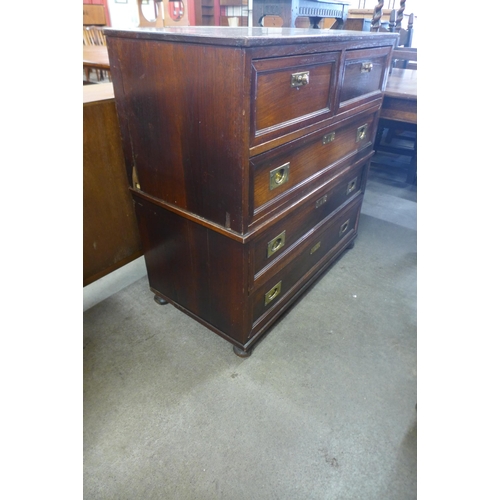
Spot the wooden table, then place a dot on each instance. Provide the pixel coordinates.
(400, 96)
(399, 107)
(95, 57)
(110, 232)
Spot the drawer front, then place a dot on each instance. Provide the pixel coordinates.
(286, 168)
(290, 93)
(319, 245)
(274, 247)
(363, 76)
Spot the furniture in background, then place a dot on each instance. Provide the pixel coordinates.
(404, 58)
(271, 22)
(293, 12)
(245, 198)
(357, 24)
(396, 17)
(95, 57)
(397, 129)
(97, 60)
(167, 13)
(383, 20)
(233, 8)
(205, 12)
(110, 234)
(94, 15)
(93, 35)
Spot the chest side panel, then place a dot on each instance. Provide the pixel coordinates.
(185, 115)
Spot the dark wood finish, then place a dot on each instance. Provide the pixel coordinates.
(357, 24)
(110, 233)
(377, 14)
(395, 22)
(206, 116)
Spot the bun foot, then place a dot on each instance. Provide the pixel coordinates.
(159, 300)
(241, 353)
(351, 245)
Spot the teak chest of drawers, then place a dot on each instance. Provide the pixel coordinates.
(247, 152)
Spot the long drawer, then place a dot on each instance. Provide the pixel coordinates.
(317, 246)
(287, 168)
(275, 245)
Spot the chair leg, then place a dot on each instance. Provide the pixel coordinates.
(411, 176)
(378, 137)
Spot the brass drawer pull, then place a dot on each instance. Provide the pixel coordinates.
(343, 227)
(362, 132)
(328, 138)
(315, 247)
(351, 186)
(275, 244)
(278, 176)
(321, 201)
(366, 67)
(272, 294)
(299, 79)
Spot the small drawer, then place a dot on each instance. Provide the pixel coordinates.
(275, 245)
(363, 76)
(286, 168)
(290, 93)
(311, 254)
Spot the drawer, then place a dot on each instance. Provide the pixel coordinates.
(278, 172)
(289, 93)
(314, 251)
(274, 247)
(363, 76)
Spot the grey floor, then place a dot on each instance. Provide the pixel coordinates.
(323, 409)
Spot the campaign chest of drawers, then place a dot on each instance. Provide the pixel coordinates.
(247, 152)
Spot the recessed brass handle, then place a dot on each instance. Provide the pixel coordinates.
(315, 247)
(344, 227)
(275, 244)
(278, 176)
(299, 79)
(272, 294)
(328, 138)
(366, 67)
(321, 201)
(351, 186)
(362, 132)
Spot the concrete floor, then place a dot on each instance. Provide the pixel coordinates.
(323, 409)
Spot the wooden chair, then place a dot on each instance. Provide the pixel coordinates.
(395, 23)
(94, 35)
(404, 58)
(399, 137)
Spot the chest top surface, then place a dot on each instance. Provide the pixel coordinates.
(247, 37)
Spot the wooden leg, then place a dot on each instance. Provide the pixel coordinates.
(159, 300)
(241, 353)
(411, 176)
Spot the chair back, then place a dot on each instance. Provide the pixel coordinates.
(395, 23)
(93, 35)
(404, 58)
